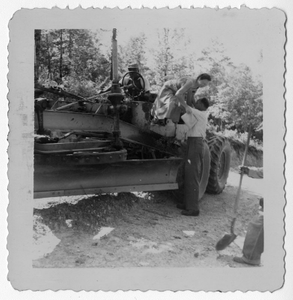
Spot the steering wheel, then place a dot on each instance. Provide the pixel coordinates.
(139, 89)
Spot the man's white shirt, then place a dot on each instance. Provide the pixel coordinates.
(196, 123)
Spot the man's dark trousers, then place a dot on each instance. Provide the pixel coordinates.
(192, 172)
(254, 241)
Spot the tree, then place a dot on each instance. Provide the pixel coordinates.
(172, 58)
(239, 103)
(235, 96)
(218, 64)
(37, 54)
(72, 56)
(133, 52)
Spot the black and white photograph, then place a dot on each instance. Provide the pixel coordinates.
(110, 129)
(147, 146)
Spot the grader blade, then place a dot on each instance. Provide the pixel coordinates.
(124, 176)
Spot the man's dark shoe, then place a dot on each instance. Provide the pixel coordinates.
(242, 260)
(193, 213)
(180, 205)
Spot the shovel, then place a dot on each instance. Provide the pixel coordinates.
(227, 239)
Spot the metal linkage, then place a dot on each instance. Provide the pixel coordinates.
(115, 96)
(69, 147)
(59, 161)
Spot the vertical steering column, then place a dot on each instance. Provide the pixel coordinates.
(115, 96)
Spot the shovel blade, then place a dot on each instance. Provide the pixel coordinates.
(225, 241)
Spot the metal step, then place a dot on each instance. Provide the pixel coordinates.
(65, 159)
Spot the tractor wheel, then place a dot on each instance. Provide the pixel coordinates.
(220, 164)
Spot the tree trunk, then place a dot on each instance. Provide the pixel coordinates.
(60, 60)
(37, 54)
(70, 45)
(48, 56)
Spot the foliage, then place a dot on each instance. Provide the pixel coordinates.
(171, 58)
(242, 99)
(213, 60)
(133, 52)
(71, 57)
(236, 97)
(242, 138)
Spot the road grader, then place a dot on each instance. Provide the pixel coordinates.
(109, 144)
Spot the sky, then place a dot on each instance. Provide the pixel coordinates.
(244, 35)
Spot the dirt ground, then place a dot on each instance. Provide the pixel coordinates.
(141, 229)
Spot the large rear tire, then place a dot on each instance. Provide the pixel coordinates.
(220, 151)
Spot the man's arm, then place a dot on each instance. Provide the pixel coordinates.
(252, 172)
(180, 95)
(187, 86)
(127, 82)
(147, 86)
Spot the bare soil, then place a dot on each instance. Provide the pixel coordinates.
(147, 229)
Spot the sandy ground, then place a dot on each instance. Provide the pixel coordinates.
(141, 230)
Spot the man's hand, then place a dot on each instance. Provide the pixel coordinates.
(176, 101)
(180, 102)
(244, 170)
(188, 109)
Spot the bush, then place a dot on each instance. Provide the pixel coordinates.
(242, 138)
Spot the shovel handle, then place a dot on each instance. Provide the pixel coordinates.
(232, 225)
(241, 175)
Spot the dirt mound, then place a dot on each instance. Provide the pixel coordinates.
(148, 231)
(87, 214)
(254, 156)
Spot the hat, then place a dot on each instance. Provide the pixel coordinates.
(133, 66)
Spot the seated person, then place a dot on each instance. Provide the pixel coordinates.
(134, 83)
